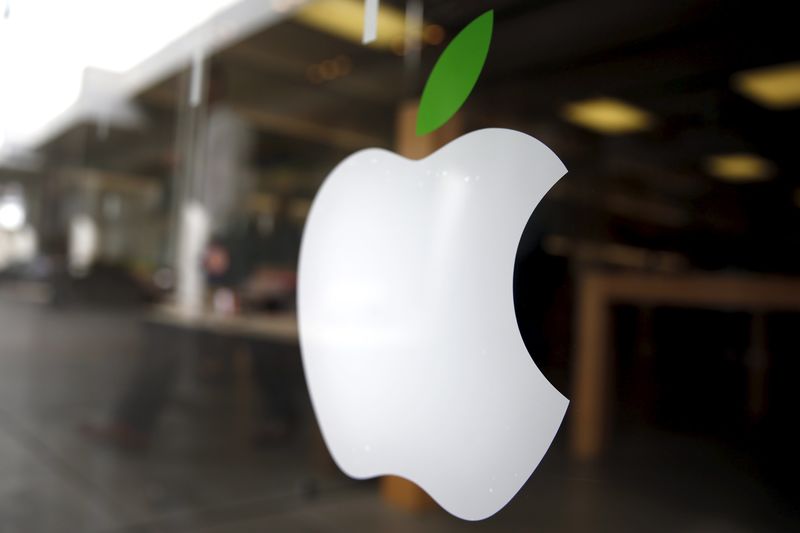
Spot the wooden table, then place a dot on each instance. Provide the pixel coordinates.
(597, 291)
(278, 327)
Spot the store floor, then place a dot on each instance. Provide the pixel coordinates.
(61, 368)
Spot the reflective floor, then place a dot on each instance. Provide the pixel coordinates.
(59, 369)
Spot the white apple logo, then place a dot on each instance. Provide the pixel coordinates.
(411, 349)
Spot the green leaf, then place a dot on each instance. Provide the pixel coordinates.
(455, 74)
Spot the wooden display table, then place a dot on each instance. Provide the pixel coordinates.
(597, 291)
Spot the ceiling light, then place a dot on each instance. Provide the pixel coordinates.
(345, 19)
(608, 115)
(433, 34)
(739, 168)
(330, 69)
(775, 87)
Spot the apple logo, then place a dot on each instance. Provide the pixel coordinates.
(413, 357)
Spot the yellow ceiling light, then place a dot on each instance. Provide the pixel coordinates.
(608, 115)
(775, 87)
(345, 19)
(739, 168)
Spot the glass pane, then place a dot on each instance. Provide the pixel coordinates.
(158, 163)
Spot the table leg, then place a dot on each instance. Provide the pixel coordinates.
(589, 401)
(757, 363)
(402, 493)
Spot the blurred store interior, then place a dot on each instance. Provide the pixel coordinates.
(157, 163)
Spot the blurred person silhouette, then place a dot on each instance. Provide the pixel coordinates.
(217, 163)
(234, 263)
(258, 264)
